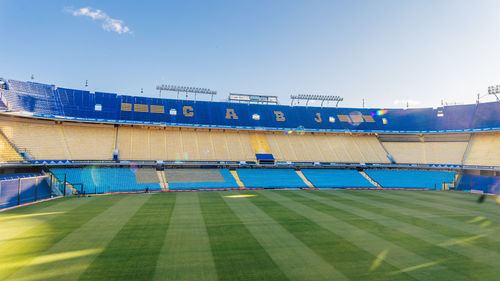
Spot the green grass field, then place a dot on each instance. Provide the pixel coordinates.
(271, 235)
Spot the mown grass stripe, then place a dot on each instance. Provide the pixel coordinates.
(459, 214)
(468, 256)
(17, 221)
(352, 261)
(415, 218)
(281, 245)
(489, 207)
(22, 249)
(132, 253)
(384, 196)
(397, 256)
(237, 254)
(485, 235)
(463, 195)
(438, 206)
(68, 258)
(186, 253)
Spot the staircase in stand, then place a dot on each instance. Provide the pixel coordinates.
(237, 178)
(372, 181)
(163, 180)
(303, 177)
(8, 151)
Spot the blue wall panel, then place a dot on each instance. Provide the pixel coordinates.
(8, 193)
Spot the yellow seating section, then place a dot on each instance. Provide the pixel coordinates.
(183, 144)
(485, 150)
(46, 140)
(326, 148)
(87, 142)
(41, 139)
(7, 152)
(427, 152)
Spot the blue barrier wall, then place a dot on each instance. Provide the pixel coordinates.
(49, 101)
(476, 183)
(22, 189)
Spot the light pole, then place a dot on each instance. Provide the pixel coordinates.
(494, 90)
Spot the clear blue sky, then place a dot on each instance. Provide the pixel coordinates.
(384, 51)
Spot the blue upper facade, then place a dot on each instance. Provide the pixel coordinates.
(49, 101)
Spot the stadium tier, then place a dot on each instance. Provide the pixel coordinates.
(411, 178)
(271, 178)
(50, 101)
(342, 178)
(484, 150)
(53, 140)
(100, 180)
(127, 143)
(198, 179)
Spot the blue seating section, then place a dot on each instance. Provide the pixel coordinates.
(101, 180)
(22, 189)
(45, 100)
(229, 182)
(322, 178)
(270, 178)
(31, 97)
(411, 178)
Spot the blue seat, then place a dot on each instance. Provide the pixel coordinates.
(411, 178)
(229, 182)
(101, 180)
(270, 178)
(328, 178)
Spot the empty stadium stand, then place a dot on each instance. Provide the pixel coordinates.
(31, 97)
(194, 179)
(333, 178)
(342, 148)
(270, 178)
(135, 143)
(484, 150)
(221, 142)
(88, 141)
(427, 153)
(47, 140)
(47, 100)
(7, 152)
(426, 149)
(102, 180)
(52, 140)
(411, 178)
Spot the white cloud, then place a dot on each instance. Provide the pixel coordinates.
(108, 23)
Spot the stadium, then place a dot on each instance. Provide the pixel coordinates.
(292, 192)
(250, 140)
